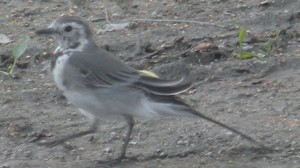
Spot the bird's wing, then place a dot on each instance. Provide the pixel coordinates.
(163, 87)
(103, 71)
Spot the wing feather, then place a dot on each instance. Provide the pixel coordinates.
(104, 71)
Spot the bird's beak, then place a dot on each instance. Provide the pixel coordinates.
(46, 31)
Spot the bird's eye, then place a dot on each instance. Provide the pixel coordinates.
(68, 28)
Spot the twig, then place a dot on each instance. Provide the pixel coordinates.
(149, 56)
(98, 19)
(162, 49)
(106, 16)
(181, 21)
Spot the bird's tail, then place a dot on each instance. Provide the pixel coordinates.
(174, 106)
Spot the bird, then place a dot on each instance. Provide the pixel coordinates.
(103, 87)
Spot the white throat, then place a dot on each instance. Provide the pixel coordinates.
(59, 70)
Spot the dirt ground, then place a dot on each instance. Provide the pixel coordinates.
(258, 96)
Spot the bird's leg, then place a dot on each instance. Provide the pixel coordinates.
(130, 123)
(92, 129)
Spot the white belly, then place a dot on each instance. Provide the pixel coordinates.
(58, 71)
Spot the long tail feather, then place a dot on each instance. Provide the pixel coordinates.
(178, 108)
(196, 113)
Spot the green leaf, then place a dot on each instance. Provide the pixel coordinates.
(242, 36)
(268, 47)
(5, 73)
(246, 55)
(20, 47)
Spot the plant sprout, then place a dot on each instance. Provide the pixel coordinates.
(18, 50)
(242, 36)
(268, 47)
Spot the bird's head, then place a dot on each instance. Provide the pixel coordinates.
(71, 32)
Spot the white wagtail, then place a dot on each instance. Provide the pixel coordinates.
(103, 87)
